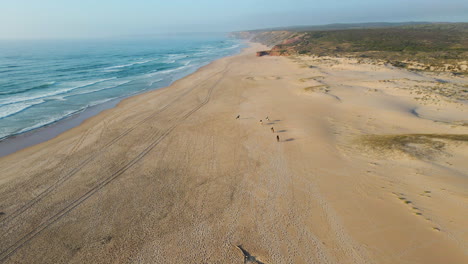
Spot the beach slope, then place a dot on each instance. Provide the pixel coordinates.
(370, 167)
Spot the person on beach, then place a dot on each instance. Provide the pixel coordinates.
(261, 122)
(272, 130)
(277, 138)
(238, 116)
(268, 119)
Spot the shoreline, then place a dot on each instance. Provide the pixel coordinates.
(18, 142)
(341, 171)
(38, 135)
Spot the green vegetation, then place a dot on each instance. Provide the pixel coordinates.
(317, 88)
(329, 27)
(416, 145)
(441, 41)
(434, 45)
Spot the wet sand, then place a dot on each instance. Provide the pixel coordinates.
(171, 176)
(18, 142)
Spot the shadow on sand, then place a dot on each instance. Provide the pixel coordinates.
(248, 258)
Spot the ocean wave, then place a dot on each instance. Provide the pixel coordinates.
(42, 86)
(26, 98)
(168, 71)
(173, 58)
(9, 66)
(81, 68)
(49, 120)
(154, 81)
(13, 109)
(111, 70)
(232, 47)
(116, 85)
(204, 52)
(128, 65)
(43, 103)
(177, 56)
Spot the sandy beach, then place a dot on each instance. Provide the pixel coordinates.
(370, 168)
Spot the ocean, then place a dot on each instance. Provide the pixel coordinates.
(42, 82)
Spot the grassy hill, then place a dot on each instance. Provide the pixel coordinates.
(435, 46)
(342, 26)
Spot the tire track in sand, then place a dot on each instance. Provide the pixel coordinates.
(36, 231)
(11, 216)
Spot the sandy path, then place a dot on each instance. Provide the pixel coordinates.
(171, 176)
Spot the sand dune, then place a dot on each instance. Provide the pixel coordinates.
(171, 176)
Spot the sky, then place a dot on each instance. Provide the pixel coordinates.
(43, 19)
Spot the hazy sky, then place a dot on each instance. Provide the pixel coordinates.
(106, 18)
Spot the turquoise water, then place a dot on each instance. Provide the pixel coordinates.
(42, 82)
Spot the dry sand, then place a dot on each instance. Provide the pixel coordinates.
(171, 176)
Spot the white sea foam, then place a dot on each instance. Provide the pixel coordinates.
(55, 118)
(48, 120)
(154, 81)
(11, 109)
(44, 94)
(167, 71)
(88, 91)
(34, 103)
(232, 47)
(9, 92)
(177, 56)
(128, 64)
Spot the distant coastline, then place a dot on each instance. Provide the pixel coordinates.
(423, 46)
(330, 159)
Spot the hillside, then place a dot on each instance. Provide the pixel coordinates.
(435, 47)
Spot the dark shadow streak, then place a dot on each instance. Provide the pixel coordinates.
(248, 257)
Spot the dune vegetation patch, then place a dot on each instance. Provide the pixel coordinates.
(414, 145)
(435, 47)
(317, 88)
(311, 78)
